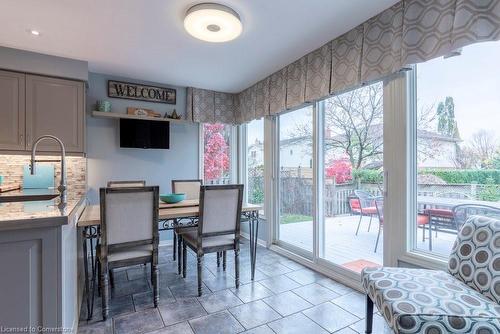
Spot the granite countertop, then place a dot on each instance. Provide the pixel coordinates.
(31, 214)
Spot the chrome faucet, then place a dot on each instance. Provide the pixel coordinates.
(62, 184)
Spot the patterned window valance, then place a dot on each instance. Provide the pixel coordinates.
(409, 32)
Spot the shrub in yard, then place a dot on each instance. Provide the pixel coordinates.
(341, 170)
(367, 176)
(490, 192)
(465, 176)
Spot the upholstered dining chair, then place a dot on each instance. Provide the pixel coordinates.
(465, 299)
(192, 190)
(124, 184)
(129, 234)
(218, 226)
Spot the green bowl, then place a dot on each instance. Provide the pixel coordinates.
(172, 198)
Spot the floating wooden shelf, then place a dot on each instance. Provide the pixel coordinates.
(101, 114)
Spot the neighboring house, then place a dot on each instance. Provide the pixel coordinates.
(255, 154)
(434, 151)
(296, 152)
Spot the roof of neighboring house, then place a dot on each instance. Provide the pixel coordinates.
(436, 136)
(376, 131)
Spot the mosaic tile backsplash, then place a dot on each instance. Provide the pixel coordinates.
(11, 168)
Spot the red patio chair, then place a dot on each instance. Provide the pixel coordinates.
(422, 220)
(366, 207)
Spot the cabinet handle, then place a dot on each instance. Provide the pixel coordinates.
(21, 139)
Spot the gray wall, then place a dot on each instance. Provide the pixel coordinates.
(107, 161)
(37, 63)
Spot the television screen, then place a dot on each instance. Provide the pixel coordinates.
(144, 134)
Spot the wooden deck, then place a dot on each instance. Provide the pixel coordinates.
(344, 247)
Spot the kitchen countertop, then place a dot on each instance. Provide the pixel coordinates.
(35, 214)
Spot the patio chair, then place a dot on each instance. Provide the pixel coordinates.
(218, 227)
(366, 207)
(422, 220)
(443, 218)
(465, 299)
(463, 212)
(354, 205)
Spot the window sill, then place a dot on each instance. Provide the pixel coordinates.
(424, 260)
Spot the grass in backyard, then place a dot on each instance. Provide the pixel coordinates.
(289, 219)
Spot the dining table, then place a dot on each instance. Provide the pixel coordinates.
(183, 214)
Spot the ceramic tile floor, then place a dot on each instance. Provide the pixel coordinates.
(284, 298)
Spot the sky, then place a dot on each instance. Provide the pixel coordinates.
(472, 79)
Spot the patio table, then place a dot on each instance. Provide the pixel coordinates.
(449, 203)
(180, 215)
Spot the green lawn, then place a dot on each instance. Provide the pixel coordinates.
(291, 218)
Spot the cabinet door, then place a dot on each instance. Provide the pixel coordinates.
(12, 111)
(55, 107)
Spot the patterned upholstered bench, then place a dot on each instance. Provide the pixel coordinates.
(466, 299)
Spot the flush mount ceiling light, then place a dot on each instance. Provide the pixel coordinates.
(34, 32)
(213, 22)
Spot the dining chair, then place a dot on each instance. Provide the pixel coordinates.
(129, 234)
(366, 206)
(121, 184)
(218, 227)
(192, 190)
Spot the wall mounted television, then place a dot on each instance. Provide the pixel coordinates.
(144, 134)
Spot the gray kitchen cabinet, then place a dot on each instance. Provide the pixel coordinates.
(39, 285)
(56, 107)
(12, 111)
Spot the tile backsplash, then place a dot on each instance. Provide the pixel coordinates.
(11, 168)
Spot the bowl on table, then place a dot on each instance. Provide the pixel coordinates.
(172, 198)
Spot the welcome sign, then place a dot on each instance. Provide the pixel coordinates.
(131, 91)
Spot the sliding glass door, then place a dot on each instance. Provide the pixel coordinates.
(330, 167)
(295, 188)
(352, 223)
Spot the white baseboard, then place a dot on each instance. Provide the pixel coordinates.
(260, 242)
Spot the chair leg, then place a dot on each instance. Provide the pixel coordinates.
(359, 223)
(224, 261)
(174, 246)
(370, 224)
(111, 278)
(369, 315)
(99, 285)
(156, 287)
(378, 237)
(184, 257)
(199, 260)
(237, 268)
(179, 250)
(105, 292)
(218, 259)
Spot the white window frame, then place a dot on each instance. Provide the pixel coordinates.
(400, 141)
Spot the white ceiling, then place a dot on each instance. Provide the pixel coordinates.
(145, 39)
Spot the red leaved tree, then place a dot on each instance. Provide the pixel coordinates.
(340, 169)
(216, 161)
